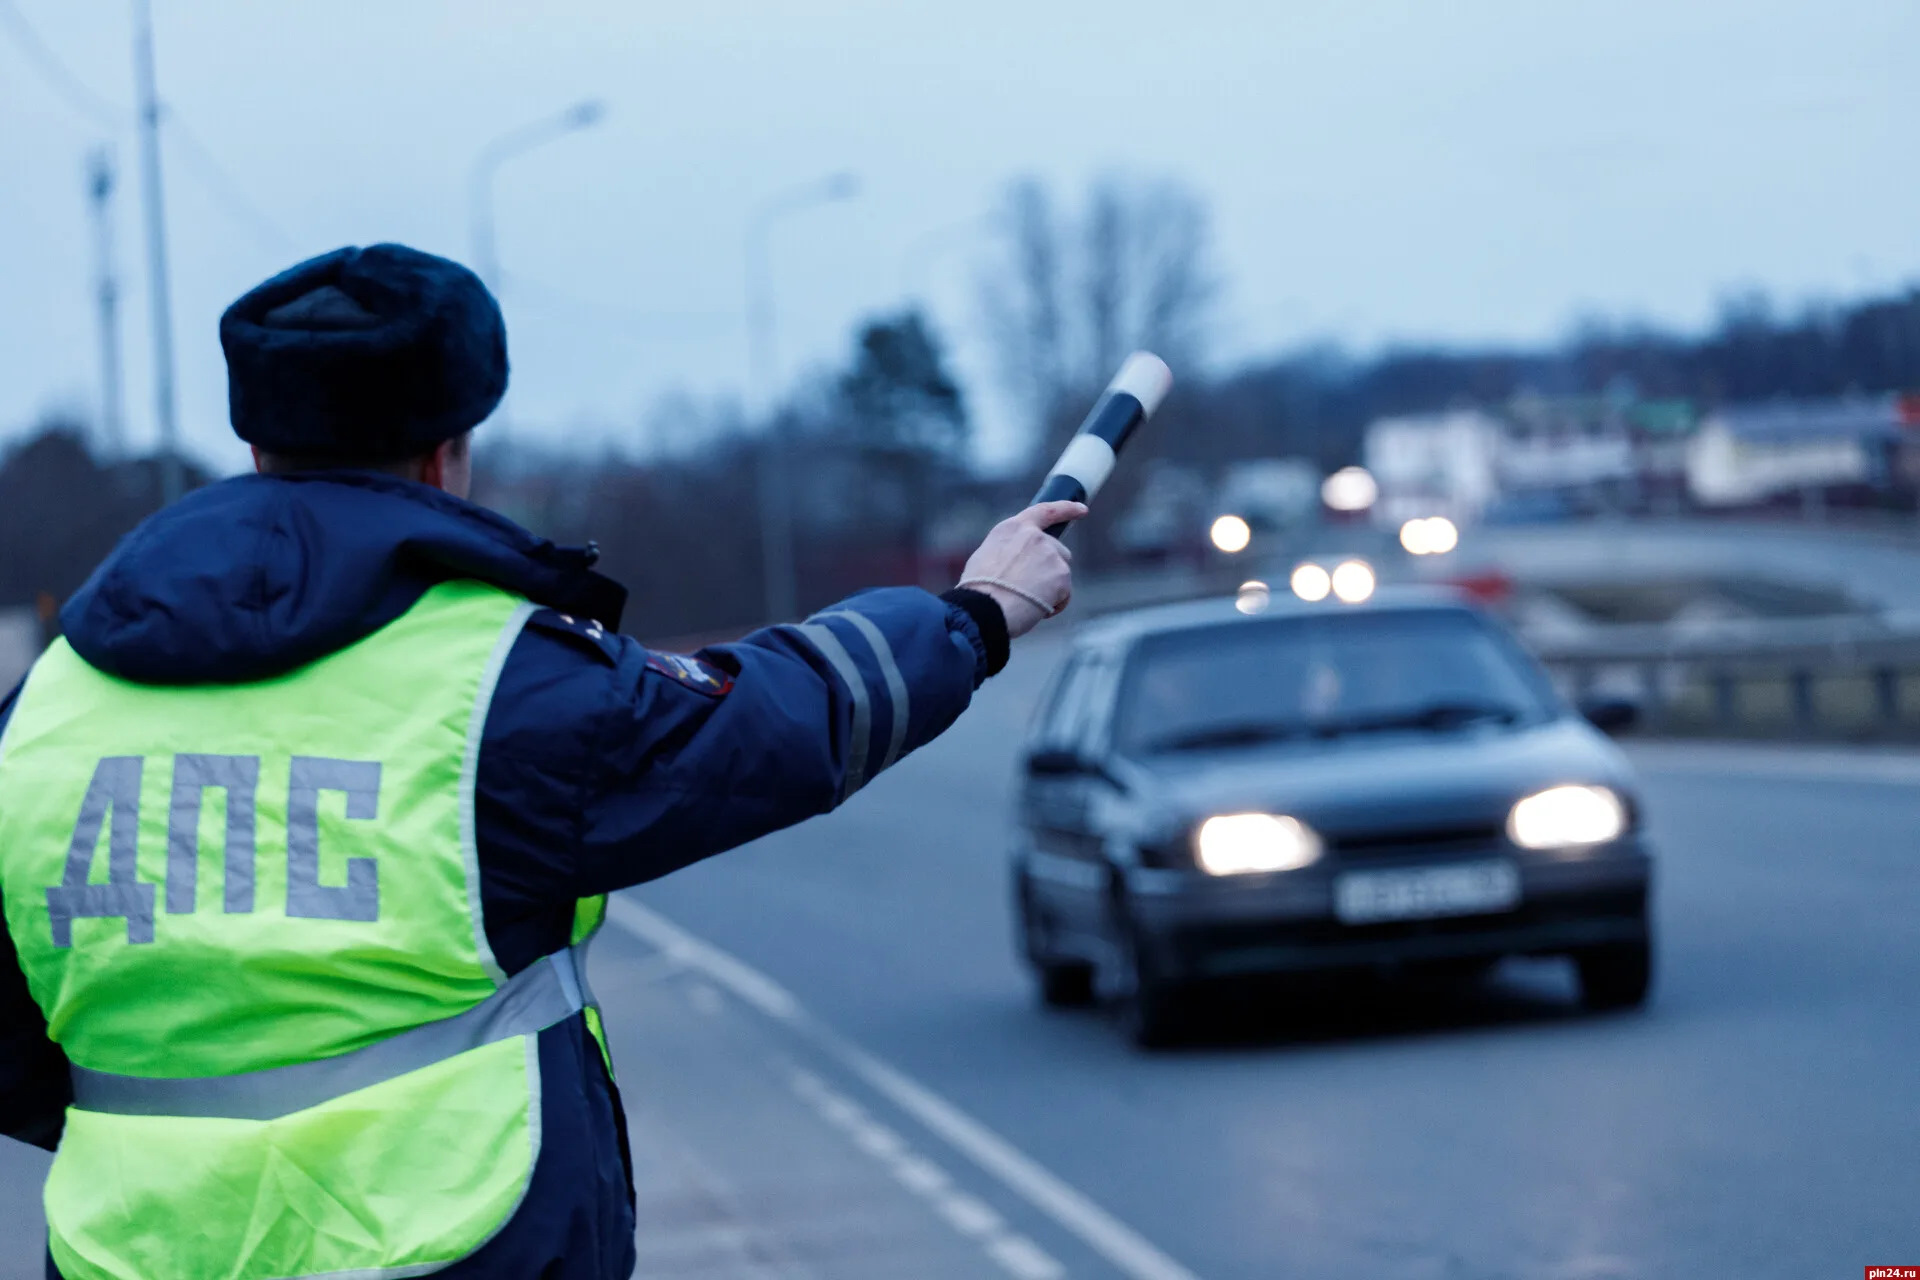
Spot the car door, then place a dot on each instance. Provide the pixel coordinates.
(1068, 864)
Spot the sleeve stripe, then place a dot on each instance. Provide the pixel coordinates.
(830, 648)
(890, 670)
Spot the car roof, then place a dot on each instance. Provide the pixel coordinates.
(1122, 630)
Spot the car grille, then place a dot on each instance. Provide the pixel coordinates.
(1360, 846)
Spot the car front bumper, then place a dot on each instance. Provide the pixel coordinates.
(1196, 926)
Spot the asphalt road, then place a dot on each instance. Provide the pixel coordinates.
(1760, 1119)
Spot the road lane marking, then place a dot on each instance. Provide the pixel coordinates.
(879, 1141)
(919, 1174)
(1025, 1259)
(969, 1215)
(964, 1213)
(1805, 764)
(1119, 1244)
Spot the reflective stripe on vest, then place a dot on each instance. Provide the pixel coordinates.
(544, 993)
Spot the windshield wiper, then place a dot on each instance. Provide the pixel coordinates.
(1433, 716)
(1245, 733)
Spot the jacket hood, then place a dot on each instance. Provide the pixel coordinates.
(255, 576)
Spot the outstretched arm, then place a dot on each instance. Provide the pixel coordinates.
(692, 755)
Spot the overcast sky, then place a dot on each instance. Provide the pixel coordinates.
(1461, 171)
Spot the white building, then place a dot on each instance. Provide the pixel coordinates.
(1747, 453)
(1434, 464)
(1565, 462)
(1277, 492)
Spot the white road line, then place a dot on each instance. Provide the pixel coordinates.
(1099, 1230)
(1810, 764)
(966, 1214)
(1020, 1256)
(878, 1140)
(919, 1175)
(969, 1215)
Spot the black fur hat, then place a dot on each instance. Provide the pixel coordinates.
(369, 354)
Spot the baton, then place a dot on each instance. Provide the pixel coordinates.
(1129, 400)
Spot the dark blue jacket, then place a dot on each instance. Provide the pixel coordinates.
(602, 765)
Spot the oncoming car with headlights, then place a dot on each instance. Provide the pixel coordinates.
(1213, 793)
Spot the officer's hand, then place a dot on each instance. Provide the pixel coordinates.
(1018, 553)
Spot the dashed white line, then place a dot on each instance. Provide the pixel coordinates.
(1119, 1244)
(969, 1215)
(1018, 1255)
(878, 1140)
(919, 1174)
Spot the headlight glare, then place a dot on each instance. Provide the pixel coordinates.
(1566, 817)
(1239, 843)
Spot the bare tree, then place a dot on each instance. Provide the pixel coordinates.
(1171, 283)
(1023, 298)
(1069, 297)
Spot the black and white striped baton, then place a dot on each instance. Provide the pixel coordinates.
(1130, 399)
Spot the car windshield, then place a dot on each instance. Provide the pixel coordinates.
(1327, 675)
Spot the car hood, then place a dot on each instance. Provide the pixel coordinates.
(1372, 782)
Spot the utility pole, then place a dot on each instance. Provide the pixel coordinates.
(157, 285)
(100, 179)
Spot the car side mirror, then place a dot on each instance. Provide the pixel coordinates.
(1610, 715)
(1060, 762)
(1057, 762)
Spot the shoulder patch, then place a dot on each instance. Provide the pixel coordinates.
(696, 674)
(584, 632)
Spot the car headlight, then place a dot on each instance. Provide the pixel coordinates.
(1238, 843)
(1560, 817)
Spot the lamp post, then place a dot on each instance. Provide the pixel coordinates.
(776, 493)
(515, 142)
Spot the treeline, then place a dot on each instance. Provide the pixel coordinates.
(1318, 403)
(869, 462)
(63, 507)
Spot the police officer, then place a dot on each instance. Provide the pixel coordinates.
(306, 821)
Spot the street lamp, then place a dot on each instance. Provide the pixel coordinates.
(776, 494)
(582, 115)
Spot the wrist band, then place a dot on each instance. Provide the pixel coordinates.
(1046, 610)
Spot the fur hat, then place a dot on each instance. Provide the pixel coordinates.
(368, 354)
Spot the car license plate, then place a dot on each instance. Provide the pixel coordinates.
(1422, 893)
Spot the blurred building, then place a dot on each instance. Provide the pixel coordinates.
(1270, 493)
(1168, 515)
(1434, 464)
(1536, 457)
(1818, 450)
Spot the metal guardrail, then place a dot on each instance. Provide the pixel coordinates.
(1855, 676)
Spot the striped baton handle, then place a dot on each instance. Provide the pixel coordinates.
(1130, 399)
